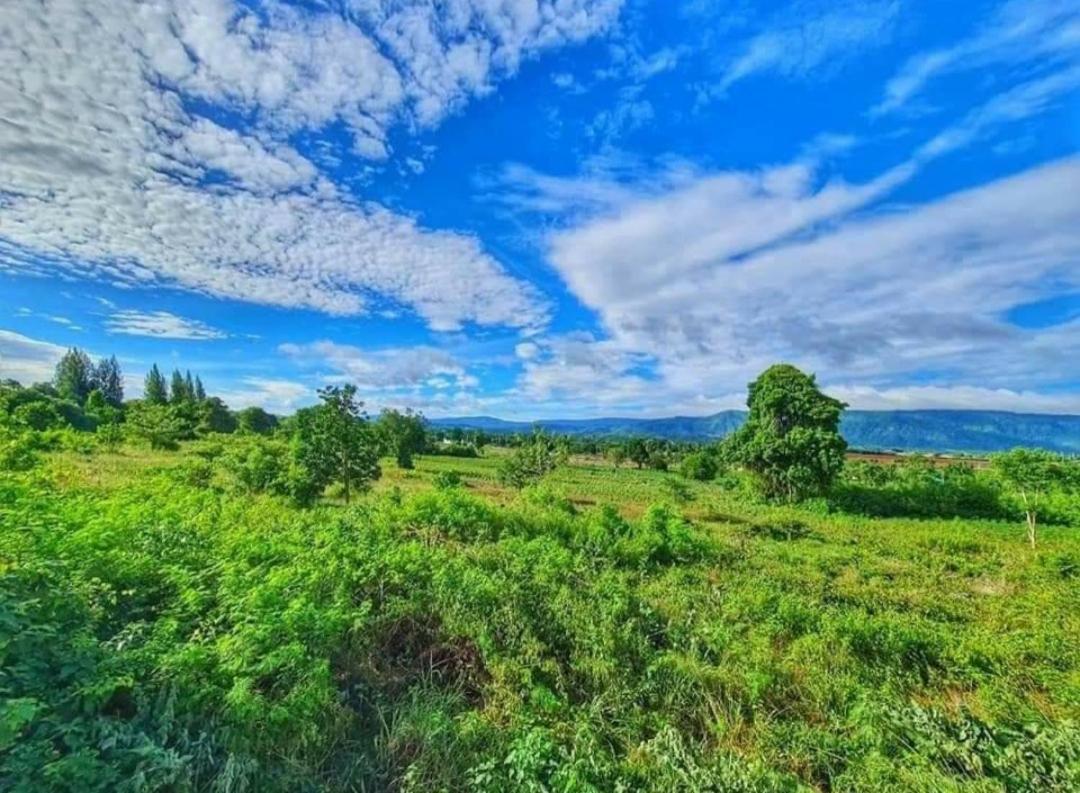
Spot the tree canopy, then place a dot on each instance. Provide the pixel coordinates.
(791, 440)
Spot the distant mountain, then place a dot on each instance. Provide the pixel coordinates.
(898, 430)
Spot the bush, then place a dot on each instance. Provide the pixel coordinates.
(453, 450)
(446, 480)
(18, 451)
(528, 464)
(701, 466)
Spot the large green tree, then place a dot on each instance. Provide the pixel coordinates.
(402, 434)
(791, 440)
(109, 380)
(335, 443)
(74, 376)
(178, 390)
(255, 420)
(155, 389)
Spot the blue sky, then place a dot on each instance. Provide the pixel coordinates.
(542, 208)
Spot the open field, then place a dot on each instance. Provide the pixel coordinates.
(479, 638)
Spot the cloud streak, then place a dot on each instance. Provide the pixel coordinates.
(161, 325)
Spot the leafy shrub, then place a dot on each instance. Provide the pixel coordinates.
(446, 480)
(701, 465)
(453, 450)
(677, 490)
(529, 463)
(18, 451)
(916, 487)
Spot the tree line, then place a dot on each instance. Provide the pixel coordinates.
(790, 444)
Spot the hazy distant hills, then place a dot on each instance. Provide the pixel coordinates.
(902, 430)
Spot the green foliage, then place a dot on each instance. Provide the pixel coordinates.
(453, 450)
(1033, 474)
(18, 450)
(530, 463)
(179, 632)
(155, 424)
(108, 380)
(334, 442)
(700, 465)
(255, 420)
(917, 487)
(74, 376)
(155, 389)
(39, 415)
(402, 435)
(214, 416)
(677, 490)
(791, 439)
(447, 480)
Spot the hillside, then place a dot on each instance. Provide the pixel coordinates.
(904, 430)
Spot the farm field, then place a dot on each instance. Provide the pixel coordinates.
(604, 630)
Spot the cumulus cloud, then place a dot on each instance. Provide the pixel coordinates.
(161, 325)
(27, 360)
(109, 166)
(277, 396)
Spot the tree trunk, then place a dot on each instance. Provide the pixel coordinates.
(345, 478)
(1029, 514)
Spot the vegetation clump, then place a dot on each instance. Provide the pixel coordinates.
(791, 440)
(187, 609)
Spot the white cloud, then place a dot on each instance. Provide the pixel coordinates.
(160, 324)
(965, 397)
(802, 44)
(719, 279)
(1022, 101)
(381, 370)
(1041, 32)
(27, 360)
(106, 172)
(280, 397)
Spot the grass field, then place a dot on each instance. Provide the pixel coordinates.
(189, 637)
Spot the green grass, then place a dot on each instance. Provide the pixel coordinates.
(170, 637)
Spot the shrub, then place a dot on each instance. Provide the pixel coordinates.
(445, 480)
(529, 463)
(701, 465)
(18, 451)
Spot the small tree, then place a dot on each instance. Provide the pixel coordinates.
(637, 451)
(155, 424)
(1031, 474)
(74, 376)
(335, 443)
(402, 435)
(155, 390)
(532, 461)
(791, 440)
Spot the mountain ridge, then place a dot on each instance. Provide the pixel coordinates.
(937, 430)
